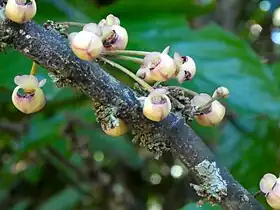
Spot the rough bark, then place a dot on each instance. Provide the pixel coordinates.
(52, 51)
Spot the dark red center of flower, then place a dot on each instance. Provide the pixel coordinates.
(111, 40)
(23, 94)
(185, 59)
(158, 100)
(187, 75)
(155, 63)
(24, 2)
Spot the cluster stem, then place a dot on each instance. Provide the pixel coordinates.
(127, 52)
(129, 58)
(129, 73)
(34, 68)
(72, 24)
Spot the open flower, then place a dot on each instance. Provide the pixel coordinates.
(157, 105)
(20, 11)
(114, 37)
(85, 44)
(28, 97)
(160, 65)
(186, 67)
(213, 114)
(144, 73)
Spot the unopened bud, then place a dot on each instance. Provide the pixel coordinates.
(119, 130)
(114, 38)
(221, 92)
(267, 182)
(94, 28)
(86, 45)
(20, 11)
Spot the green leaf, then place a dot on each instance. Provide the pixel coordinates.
(33, 173)
(66, 199)
(22, 205)
(40, 133)
(145, 8)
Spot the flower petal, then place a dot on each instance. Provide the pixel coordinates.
(42, 82)
(178, 59)
(27, 81)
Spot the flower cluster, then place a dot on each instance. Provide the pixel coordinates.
(94, 38)
(270, 186)
(109, 39)
(161, 67)
(20, 11)
(208, 110)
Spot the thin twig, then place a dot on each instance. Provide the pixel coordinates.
(127, 52)
(129, 58)
(72, 23)
(129, 73)
(46, 155)
(34, 67)
(56, 154)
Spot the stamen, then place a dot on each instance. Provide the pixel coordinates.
(111, 40)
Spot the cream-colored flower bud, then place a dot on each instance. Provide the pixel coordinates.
(215, 114)
(186, 67)
(109, 21)
(200, 100)
(20, 11)
(114, 37)
(157, 105)
(273, 196)
(162, 67)
(86, 45)
(144, 73)
(221, 92)
(267, 182)
(112, 20)
(102, 23)
(32, 99)
(71, 36)
(273, 200)
(118, 130)
(94, 28)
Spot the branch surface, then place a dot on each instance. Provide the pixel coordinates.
(51, 51)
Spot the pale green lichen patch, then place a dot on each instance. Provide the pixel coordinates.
(2, 14)
(213, 186)
(107, 115)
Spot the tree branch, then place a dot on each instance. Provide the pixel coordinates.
(52, 51)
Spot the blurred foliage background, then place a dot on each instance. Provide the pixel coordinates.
(60, 159)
